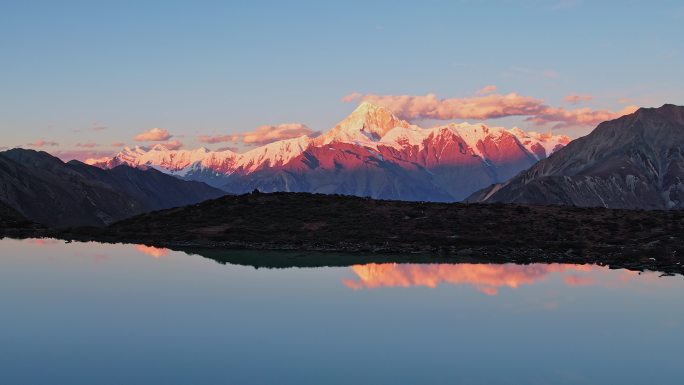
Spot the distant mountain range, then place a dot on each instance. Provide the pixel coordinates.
(48, 191)
(634, 162)
(370, 153)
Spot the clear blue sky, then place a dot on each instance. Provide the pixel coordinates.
(219, 67)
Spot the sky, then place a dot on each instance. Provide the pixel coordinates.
(84, 78)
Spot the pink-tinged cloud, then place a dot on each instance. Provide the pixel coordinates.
(268, 134)
(264, 134)
(575, 98)
(118, 144)
(217, 139)
(82, 155)
(351, 97)
(87, 145)
(153, 135)
(479, 107)
(172, 144)
(486, 90)
(581, 117)
(154, 252)
(42, 143)
(484, 107)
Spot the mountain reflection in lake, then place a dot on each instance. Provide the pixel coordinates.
(83, 313)
(487, 278)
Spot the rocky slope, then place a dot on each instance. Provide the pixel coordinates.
(46, 190)
(11, 219)
(370, 153)
(636, 162)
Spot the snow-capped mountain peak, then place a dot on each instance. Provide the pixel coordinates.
(367, 123)
(371, 147)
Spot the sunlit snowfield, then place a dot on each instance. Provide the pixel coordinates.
(87, 313)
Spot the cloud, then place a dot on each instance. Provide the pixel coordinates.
(581, 117)
(486, 90)
(268, 134)
(153, 135)
(479, 107)
(484, 107)
(93, 127)
(216, 139)
(87, 145)
(263, 134)
(575, 98)
(118, 144)
(172, 144)
(351, 97)
(42, 143)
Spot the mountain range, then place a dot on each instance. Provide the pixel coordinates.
(45, 190)
(370, 153)
(633, 162)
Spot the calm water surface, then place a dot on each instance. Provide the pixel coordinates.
(86, 313)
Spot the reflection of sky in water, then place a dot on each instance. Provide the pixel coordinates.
(89, 313)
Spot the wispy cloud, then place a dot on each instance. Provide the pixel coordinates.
(490, 106)
(118, 144)
(216, 139)
(87, 145)
(93, 127)
(153, 135)
(172, 144)
(268, 134)
(576, 98)
(581, 117)
(486, 90)
(42, 143)
(263, 134)
(532, 74)
(351, 97)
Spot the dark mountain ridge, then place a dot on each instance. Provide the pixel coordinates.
(462, 232)
(46, 190)
(633, 162)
